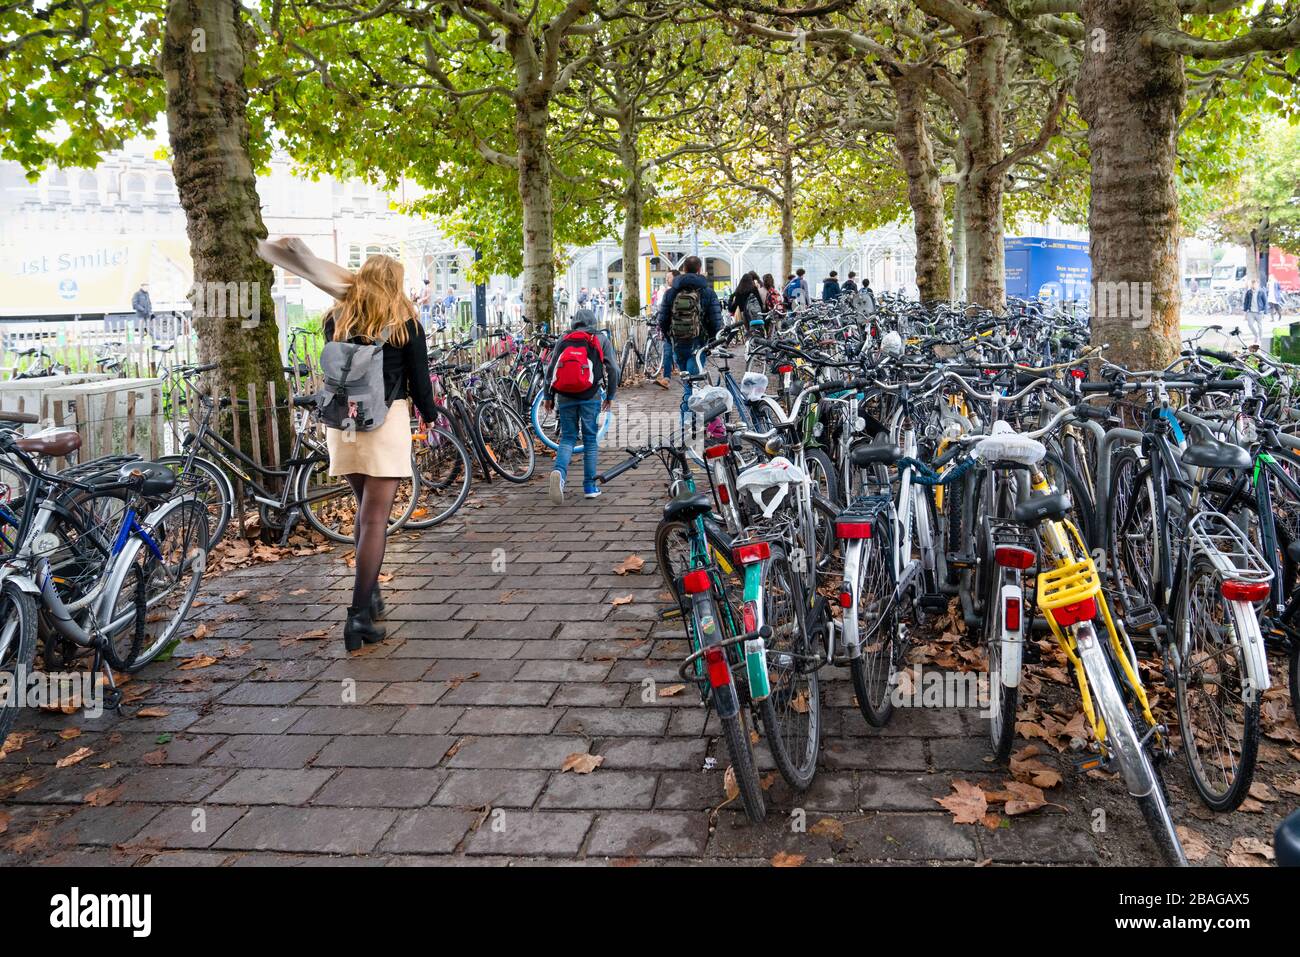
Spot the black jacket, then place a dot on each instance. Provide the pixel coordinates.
(711, 322)
(406, 369)
(830, 289)
(848, 286)
(609, 381)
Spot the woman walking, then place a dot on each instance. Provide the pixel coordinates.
(369, 305)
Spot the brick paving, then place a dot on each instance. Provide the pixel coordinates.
(445, 743)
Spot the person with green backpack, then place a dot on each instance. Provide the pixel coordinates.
(690, 316)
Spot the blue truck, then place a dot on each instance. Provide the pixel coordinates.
(1055, 269)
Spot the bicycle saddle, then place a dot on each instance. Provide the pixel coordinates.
(872, 453)
(54, 442)
(686, 508)
(154, 479)
(1005, 444)
(710, 403)
(1042, 508)
(1210, 453)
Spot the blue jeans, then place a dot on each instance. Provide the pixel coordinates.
(574, 414)
(684, 353)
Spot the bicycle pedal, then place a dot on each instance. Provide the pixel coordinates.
(1093, 762)
(935, 602)
(961, 561)
(1142, 618)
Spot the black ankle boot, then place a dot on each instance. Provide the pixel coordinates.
(359, 628)
(378, 607)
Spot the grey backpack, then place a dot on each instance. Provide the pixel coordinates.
(353, 397)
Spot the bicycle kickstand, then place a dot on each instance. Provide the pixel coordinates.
(112, 693)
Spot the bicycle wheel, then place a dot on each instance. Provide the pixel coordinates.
(330, 507)
(149, 594)
(506, 440)
(792, 712)
(17, 649)
(878, 623)
(825, 479)
(740, 749)
(444, 469)
(1219, 721)
(209, 485)
(654, 357)
(546, 426)
(1134, 554)
(1003, 699)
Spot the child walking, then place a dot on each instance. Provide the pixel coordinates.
(581, 364)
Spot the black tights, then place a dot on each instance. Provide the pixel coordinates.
(374, 506)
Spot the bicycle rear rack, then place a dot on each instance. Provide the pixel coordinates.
(1213, 536)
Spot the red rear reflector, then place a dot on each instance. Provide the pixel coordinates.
(1245, 591)
(784, 369)
(1079, 373)
(1011, 614)
(719, 670)
(853, 529)
(1013, 556)
(750, 614)
(717, 451)
(696, 581)
(724, 495)
(754, 552)
(846, 599)
(1067, 615)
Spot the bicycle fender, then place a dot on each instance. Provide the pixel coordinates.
(1253, 653)
(1013, 642)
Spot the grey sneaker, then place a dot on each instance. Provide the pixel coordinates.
(556, 488)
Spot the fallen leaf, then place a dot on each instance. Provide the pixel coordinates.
(829, 828)
(1027, 798)
(198, 661)
(1262, 792)
(155, 758)
(730, 785)
(1195, 846)
(455, 681)
(236, 596)
(152, 712)
(4, 821)
(670, 690)
(385, 577)
(625, 600)
(967, 803)
(76, 757)
(1249, 852)
(104, 796)
(67, 734)
(630, 565)
(582, 763)
(782, 859)
(200, 631)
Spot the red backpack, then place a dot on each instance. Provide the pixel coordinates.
(575, 372)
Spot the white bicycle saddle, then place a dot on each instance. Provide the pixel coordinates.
(774, 475)
(1005, 444)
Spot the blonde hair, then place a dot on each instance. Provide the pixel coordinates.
(374, 302)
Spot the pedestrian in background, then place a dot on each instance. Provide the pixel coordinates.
(831, 287)
(582, 364)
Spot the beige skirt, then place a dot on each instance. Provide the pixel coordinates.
(383, 453)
